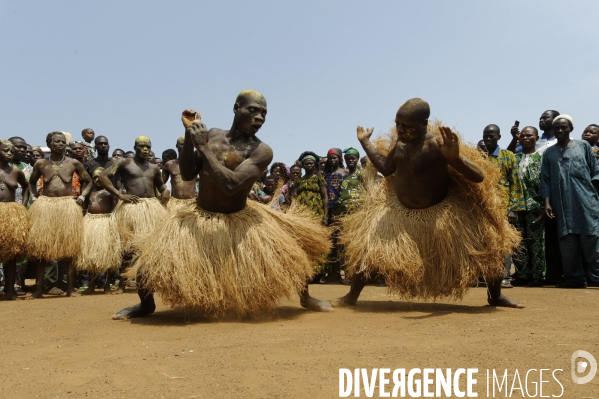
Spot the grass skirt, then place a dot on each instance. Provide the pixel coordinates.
(175, 203)
(101, 244)
(56, 228)
(134, 220)
(240, 263)
(14, 228)
(434, 252)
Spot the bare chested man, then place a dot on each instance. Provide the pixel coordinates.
(429, 206)
(139, 209)
(182, 191)
(56, 217)
(101, 242)
(223, 260)
(14, 220)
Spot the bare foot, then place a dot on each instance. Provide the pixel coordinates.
(131, 312)
(315, 304)
(53, 291)
(89, 291)
(119, 290)
(506, 302)
(37, 294)
(344, 301)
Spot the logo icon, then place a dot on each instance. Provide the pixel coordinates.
(582, 365)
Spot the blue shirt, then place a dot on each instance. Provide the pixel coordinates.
(566, 179)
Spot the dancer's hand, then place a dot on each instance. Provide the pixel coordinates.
(133, 199)
(364, 135)
(198, 133)
(449, 144)
(165, 196)
(189, 116)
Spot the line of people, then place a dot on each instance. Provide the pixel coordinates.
(547, 184)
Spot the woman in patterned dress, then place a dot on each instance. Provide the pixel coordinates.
(310, 190)
(334, 173)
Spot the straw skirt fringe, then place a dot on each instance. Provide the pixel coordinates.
(14, 229)
(240, 263)
(134, 220)
(56, 228)
(101, 244)
(426, 253)
(175, 203)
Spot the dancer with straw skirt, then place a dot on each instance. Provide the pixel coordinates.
(138, 211)
(435, 223)
(14, 219)
(182, 192)
(101, 241)
(56, 217)
(225, 254)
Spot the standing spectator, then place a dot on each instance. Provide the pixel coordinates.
(334, 173)
(509, 184)
(570, 181)
(591, 135)
(547, 138)
(152, 158)
(88, 136)
(102, 160)
(118, 154)
(530, 257)
(310, 191)
(36, 154)
(351, 185)
(130, 154)
(29, 155)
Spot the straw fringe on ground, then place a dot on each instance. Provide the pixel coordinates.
(14, 228)
(137, 219)
(240, 263)
(175, 203)
(101, 243)
(56, 228)
(434, 252)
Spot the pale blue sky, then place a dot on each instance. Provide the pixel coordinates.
(127, 68)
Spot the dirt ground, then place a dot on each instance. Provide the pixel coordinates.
(70, 348)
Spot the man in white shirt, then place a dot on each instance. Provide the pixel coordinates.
(546, 140)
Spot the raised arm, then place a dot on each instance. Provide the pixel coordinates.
(449, 145)
(384, 164)
(229, 181)
(189, 162)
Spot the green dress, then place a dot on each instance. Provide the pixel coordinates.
(308, 193)
(349, 191)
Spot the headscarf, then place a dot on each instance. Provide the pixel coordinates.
(337, 151)
(308, 157)
(351, 151)
(566, 117)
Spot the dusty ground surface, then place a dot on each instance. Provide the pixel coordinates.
(70, 347)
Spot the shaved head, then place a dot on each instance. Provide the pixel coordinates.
(415, 109)
(142, 139)
(245, 96)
